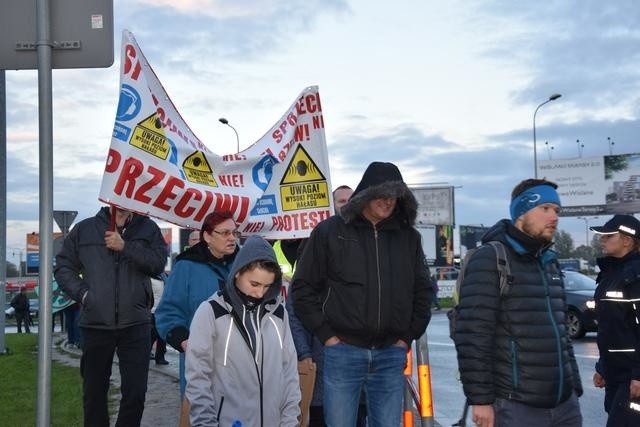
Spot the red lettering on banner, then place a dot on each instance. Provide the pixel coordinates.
(167, 192)
(134, 186)
(131, 170)
(318, 121)
(113, 161)
(181, 207)
(298, 221)
(232, 180)
(231, 203)
(232, 157)
(156, 177)
(253, 227)
(129, 57)
(208, 199)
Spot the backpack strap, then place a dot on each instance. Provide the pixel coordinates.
(503, 266)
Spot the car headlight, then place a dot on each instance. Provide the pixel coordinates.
(591, 304)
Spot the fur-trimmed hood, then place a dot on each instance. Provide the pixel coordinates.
(382, 180)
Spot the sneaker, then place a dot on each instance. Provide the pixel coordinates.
(161, 362)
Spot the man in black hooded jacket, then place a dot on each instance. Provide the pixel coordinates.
(362, 286)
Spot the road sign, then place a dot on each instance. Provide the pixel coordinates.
(81, 34)
(64, 219)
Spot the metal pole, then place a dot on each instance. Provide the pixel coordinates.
(3, 203)
(535, 150)
(45, 120)
(424, 382)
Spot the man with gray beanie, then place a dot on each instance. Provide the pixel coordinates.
(516, 361)
(362, 286)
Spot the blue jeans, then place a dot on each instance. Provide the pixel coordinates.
(348, 369)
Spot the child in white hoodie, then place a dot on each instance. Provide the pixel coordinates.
(241, 364)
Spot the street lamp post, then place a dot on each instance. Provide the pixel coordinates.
(535, 153)
(586, 227)
(226, 122)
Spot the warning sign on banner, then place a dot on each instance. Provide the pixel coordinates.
(303, 185)
(197, 169)
(150, 137)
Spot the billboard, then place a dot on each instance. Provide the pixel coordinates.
(435, 205)
(596, 185)
(437, 244)
(471, 237)
(33, 252)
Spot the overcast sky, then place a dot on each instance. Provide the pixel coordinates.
(444, 89)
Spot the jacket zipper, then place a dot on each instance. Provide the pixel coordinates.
(375, 238)
(556, 333)
(117, 255)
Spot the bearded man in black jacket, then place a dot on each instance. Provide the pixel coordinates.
(514, 353)
(362, 286)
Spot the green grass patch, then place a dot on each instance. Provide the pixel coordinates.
(18, 386)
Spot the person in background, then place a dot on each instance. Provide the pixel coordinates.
(197, 274)
(436, 300)
(161, 346)
(20, 304)
(341, 196)
(515, 356)
(241, 361)
(618, 313)
(108, 272)
(362, 286)
(194, 238)
(71, 319)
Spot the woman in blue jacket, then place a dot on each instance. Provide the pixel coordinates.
(197, 274)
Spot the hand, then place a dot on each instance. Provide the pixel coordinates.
(114, 241)
(306, 365)
(482, 415)
(634, 389)
(332, 341)
(598, 380)
(183, 344)
(401, 344)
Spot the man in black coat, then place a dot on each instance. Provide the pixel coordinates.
(617, 295)
(516, 361)
(20, 304)
(362, 287)
(108, 272)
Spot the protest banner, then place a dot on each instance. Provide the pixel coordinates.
(278, 188)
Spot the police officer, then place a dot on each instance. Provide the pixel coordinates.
(618, 311)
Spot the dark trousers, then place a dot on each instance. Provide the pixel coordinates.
(132, 345)
(22, 317)
(71, 319)
(617, 405)
(316, 416)
(161, 345)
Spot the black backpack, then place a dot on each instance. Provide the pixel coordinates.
(504, 273)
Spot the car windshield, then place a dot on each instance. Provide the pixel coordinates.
(574, 281)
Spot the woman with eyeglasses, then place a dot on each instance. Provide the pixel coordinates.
(199, 272)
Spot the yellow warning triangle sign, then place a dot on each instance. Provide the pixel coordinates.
(301, 168)
(197, 161)
(197, 169)
(153, 124)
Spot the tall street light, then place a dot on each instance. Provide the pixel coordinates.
(226, 122)
(535, 153)
(586, 227)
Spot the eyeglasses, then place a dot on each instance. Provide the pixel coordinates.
(228, 233)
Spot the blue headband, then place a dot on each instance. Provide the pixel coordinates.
(531, 198)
